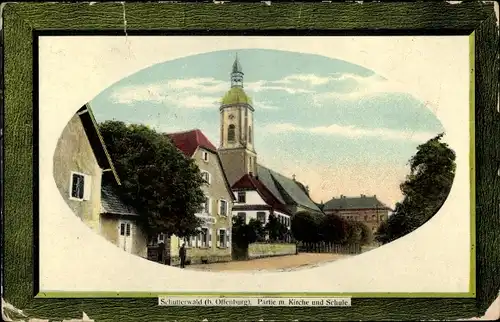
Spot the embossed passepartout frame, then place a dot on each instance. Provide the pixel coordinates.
(24, 22)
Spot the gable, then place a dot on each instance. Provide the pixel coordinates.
(96, 141)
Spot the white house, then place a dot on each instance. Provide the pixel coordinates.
(255, 201)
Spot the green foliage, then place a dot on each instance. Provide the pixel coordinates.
(432, 170)
(157, 179)
(244, 234)
(305, 227)
(334, 229)
(275, 229)
(359, 233)
(258, 229)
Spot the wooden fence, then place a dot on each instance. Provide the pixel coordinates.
(324, 247)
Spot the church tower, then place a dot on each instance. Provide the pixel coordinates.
(236, 149)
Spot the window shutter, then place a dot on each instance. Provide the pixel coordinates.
(209, 208)
(209, 237)
(87, 187)
(228, 237)
(218, 238)
(198, 241)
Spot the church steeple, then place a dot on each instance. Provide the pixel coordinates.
(237, 74)
(237, 150)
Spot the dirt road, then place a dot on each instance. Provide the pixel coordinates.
(280, 263)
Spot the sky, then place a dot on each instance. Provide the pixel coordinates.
(339, 127)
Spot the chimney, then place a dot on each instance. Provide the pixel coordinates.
(250, 174)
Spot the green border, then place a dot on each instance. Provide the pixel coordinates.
(23, 20)
(472, 165)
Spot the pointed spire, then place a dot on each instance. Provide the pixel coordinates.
(237, 73)
(236, 65)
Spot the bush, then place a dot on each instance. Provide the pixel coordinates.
(275, 229)
(306, 227)
(333, 229)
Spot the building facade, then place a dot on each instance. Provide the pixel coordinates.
(82, 165)
(213, 243)
(255, 201)
(239, 156)
(366, 209)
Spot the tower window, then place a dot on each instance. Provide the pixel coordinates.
(231, 132)
(250, 134)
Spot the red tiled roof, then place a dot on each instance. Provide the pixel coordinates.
(248, 181)
(189, 141)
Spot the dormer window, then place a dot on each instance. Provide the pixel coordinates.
(204, 156)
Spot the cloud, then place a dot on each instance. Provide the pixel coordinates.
(206, 92)
(262, 85)
(351, 131)
(359, 87)
(187, 93)
(265, 105)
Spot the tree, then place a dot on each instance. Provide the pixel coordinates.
(306, 227)
(333, 229)
(156, 178)
(258, 228)
(432, 170)
(243, 234)
(275, 229)
(358, 233)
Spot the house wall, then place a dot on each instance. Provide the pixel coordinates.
(216, 190)
(370, 217)
(110, 229)
(252, 214)
(74, 153)
(252, 198)
(259, 250)
(235, 162)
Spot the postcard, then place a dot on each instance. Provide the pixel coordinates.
(256, 165)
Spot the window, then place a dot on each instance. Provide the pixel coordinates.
(223, 207)
(79, 186)
(125, 229)
(366, 218)
(231, 133)
(223, 238)
(161, 238)
(204, 156)
(206, 176)
(373, 217)
(243, 216)
(261, 216)
(242, 197)
(203, 237)
(249, 134)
